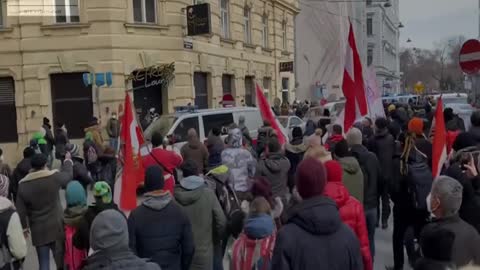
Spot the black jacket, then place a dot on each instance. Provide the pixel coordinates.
(382, 144)
(475, 132)
(315, 238)
(61, 141)
(49, 137)
(80, 172)
(429, 264)
(22, 169)
(294, 151)
(371, 174)
(425, 146)
(172, 246)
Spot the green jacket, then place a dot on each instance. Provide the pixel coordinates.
(352, 177)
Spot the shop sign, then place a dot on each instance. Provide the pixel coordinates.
(153, 75)
(199, 19)
(286, 66)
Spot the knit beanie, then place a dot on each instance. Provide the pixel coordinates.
(416, 126)
(102, 190)
(109, 231)
(154, 179)
(4, 184)
(463, 140)
(334, 171)
(354, 136)
(310, 178)
(75, 194)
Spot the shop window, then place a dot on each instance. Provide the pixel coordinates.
(72, 102)
(221, 121)
(144, 11)
(181, 131)
(8, 111)
(250, 91)
(67, 11)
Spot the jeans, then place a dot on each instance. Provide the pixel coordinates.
(43, 254)
(371, 220)
(114, 143)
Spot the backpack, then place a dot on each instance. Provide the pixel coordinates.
(227, 198)
(92, 155)
(5, 255)
(74, 257)
(419, 178)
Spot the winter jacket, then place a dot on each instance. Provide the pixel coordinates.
(13, 231)
(371, 175)
(61, 141)
(315, 238)
(196, 151)
(23, 168)
(332, 141)
(96, 136)
(475, 132)
(455, 124)
(171, 247)
(429, 264)
(80, 172)
(254, 247)
(49, 137)
(424, 146)
(294, 152)
(113, 128)
(352, 214)
(466, 246)
(43, 214)
(382, 144)
(352, 177)
(72, 218)
(108, 169)
(215, 147)
(169, 161)
(109, 236)
(241, 165)
(206, 217)
(275, 167)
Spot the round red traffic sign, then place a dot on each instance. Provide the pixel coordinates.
(470, 56)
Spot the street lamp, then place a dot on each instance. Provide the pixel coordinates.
(409, 40)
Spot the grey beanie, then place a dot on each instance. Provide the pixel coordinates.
(109, 231)
(354, 136)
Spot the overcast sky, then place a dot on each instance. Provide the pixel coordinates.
(428, 21)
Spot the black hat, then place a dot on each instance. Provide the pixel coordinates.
(38, 161)
(189, 168)
(154, 179)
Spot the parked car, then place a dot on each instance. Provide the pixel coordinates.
(289, 122)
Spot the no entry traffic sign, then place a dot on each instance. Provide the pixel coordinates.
(470, 56)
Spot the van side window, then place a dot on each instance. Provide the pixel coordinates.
(221, 121)
(182, 129)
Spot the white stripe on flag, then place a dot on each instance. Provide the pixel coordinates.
(470, 57)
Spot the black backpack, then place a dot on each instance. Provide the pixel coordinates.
(419, 178)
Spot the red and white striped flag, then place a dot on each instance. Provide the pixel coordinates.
(267, 114)
(132, 174)
(439, 141)
(353, 84)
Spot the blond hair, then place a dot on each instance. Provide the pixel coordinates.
(319, 153)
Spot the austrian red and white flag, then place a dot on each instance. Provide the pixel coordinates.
(353, 84)
(439, 152)
(267, 114)
(132, 173)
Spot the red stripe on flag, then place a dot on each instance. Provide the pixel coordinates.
(267, 114)
(439, 141)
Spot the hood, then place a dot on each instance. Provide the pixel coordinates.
(157, 201)
(38, 175)
(5, 204)
(350, 165)
(188, 197)
(109, 231)
(235, 138)
(259, 227)
(337, 192)
(318, 215)
(74, 215)
(296, 148)
(192, 182)
(275, 162)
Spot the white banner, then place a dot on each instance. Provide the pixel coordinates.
(374, 97)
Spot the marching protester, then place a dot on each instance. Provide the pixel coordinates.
(41, 216)
(215, 147)
(337, 135)
(245, 131)
(166, 159)
(437, 246)
(109, 242)
(204, 212)
(416, 129)
(240, 163)
(352, 173)
(264, 134)
(351, 210)
(452, 121)
(475, 128)
(195, 150)
(94, 133)
(309, 128)
(13, 243)
(61, 141)
(294, 151)
(444, 203)
(80, 172)
(315, 222)
(47, 130)
(108, 167)
(113, 130)
(171, 247)
(23, 168)
(371, 178)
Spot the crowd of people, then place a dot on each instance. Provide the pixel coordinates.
(314, 203)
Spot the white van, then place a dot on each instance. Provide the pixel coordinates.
(177, 125)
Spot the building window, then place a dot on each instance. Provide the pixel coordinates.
(8, 111)
(144, 11)
(67, 11)
(369, 26)
(285, 86)
(369, 2)
(249, 91)
(227, 84)
(201, 89)
(224, 19)
(284, 35)
(265, 31)
(72, 102)
(369, 56)
(267, 81)
(247, 27)
(1, 15)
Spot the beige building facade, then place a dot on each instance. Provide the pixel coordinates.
(43, 59)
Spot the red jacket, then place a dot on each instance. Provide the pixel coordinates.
(332, 141)
(351, 210)
(169, 159)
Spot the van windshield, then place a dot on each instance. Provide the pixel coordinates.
(162, 125)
